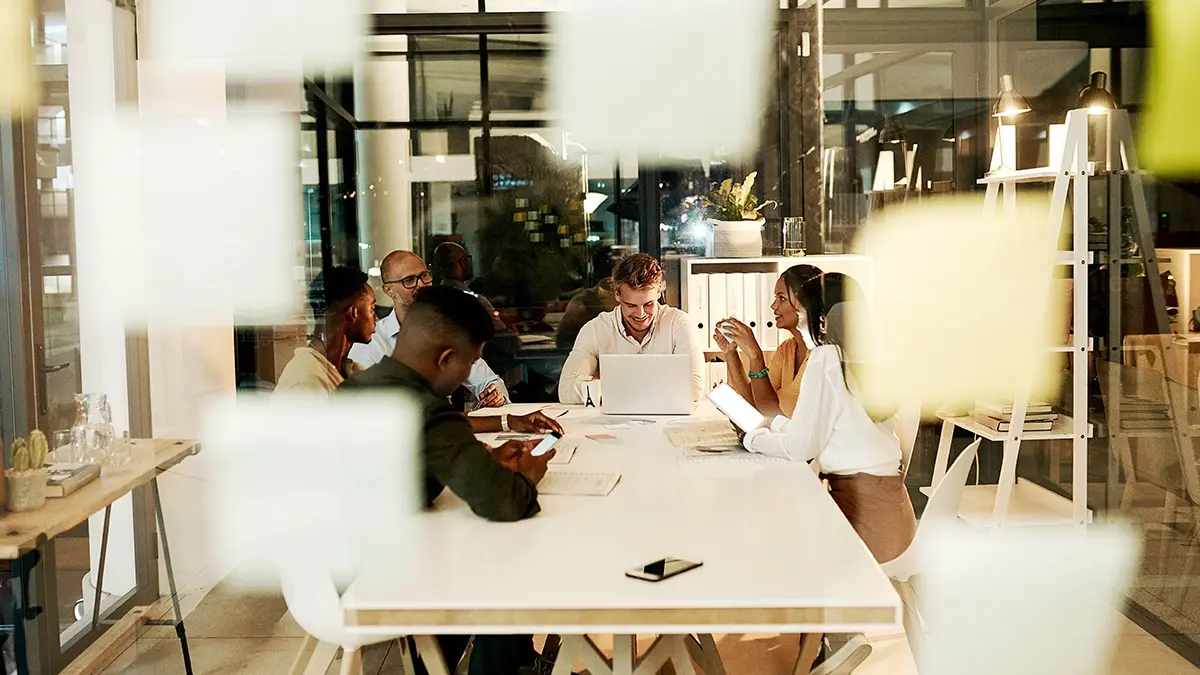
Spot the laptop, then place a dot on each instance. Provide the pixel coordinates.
(646, 384)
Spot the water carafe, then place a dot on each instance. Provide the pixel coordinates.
(93, 427)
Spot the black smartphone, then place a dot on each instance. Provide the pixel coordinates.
(662, 569)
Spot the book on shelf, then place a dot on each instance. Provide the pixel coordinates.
(999, 409)
(63, 479)
(1003, 425)
(1029, 417)
(1146, 424)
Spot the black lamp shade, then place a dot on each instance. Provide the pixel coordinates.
(1095, 97)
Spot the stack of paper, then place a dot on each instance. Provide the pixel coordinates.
(578, 484)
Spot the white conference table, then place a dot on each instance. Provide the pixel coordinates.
(777, 557)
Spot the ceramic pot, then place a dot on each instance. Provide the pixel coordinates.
(26, 491)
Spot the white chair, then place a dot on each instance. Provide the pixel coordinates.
(907, 423)
(941, 508)
(313, 602)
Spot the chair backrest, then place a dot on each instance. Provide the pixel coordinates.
(942, 507)
(907, 423)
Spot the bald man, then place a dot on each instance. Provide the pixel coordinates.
(404, 273)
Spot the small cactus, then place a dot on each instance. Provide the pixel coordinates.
(38, 449)
(20, 455)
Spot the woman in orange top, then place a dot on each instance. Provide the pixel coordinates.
(773, 388)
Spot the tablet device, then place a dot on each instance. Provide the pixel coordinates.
(547, 443)
(736, 408)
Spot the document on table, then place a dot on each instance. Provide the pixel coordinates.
(708, 432)
(582, 484)
(564, 450)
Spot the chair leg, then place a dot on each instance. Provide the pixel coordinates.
(308, 645)
(321, 658)
(810, 647)
(352, 662)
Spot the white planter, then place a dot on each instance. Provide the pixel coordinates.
(737, 239)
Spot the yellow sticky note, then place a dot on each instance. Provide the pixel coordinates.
(1170, 144)
(960, 303)
(18, 81)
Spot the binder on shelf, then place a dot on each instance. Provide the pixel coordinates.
(717, 309)
(734, 295)
(769, 340)
(752, 305)
(718, 373)
(697, 309)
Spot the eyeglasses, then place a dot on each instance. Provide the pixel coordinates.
(412, 281)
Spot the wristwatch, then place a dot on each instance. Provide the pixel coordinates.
(758, 375)
(504, 423)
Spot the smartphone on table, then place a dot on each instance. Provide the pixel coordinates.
(547, 443)
(662, 569)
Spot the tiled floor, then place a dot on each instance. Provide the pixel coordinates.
(232, 633)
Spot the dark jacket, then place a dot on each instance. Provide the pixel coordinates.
(452, 456)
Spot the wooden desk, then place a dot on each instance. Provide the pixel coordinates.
(25, 538)
(22, 532)
(778, 557)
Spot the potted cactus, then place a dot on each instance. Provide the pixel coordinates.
(26, 481)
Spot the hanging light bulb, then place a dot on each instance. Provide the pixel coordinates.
(1010, 103)
(1095, 97)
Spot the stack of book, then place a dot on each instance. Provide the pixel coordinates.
(998, 416)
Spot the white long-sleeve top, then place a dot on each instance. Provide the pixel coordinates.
(670, 333)
(830, 426)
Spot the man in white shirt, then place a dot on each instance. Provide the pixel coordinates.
(344, 310)
(639, 325)
(404, 273)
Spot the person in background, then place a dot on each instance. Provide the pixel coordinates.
(404, 273)
(589, 303)
(638, 325)
(441, 339)
(452, 266)
(343, 308)
(772, 388)
(855, 449)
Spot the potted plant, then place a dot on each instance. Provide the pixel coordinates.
(736, 217)
(26, 481)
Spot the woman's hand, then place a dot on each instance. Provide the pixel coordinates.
(742, 336)
(726, 345)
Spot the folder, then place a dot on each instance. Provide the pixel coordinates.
(734, 296)
(717, 308)
(766, 295)
(752, 306)
(697, 309)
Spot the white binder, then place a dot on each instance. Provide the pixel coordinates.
(718, 374)
(766, 295)
(752, 306)
(717, 308)
(697, 309)
(734, 295)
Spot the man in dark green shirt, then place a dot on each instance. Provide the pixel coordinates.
(441, 337)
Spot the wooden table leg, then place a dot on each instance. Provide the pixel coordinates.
(810, 647)
(431, 654)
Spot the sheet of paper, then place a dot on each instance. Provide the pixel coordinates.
(564, 450)
(579, 484)
(708, 432)
(704, 451)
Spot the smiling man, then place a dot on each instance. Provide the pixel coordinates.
(638, 325)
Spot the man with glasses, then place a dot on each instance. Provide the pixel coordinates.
(403, 274)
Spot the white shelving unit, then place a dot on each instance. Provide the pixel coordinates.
(1012, 501)
(705, 294)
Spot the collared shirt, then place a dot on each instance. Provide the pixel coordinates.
(670, 333)
(310, 370)
(830, 425)
(452, 456)
(384, 343)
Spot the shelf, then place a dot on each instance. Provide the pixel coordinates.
(1030, 504)
(1061, 430)
(1067, 349)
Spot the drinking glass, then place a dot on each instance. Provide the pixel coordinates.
(65, 448)
(793, 236)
